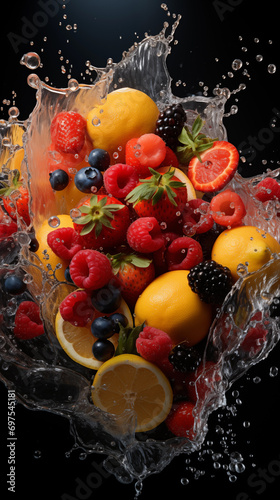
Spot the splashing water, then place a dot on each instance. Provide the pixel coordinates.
(40, 372)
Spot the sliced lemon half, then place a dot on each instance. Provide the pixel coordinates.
(128, 381)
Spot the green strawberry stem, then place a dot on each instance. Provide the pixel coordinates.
(119, 261)
(98, 214)
(127, 339)
(6, 190)
(154, 187)
(194, 142)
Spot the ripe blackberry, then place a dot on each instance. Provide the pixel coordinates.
(274, 308)
(211, 281)
(170, 123)
(185, 358)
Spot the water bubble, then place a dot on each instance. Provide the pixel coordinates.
(31, 60)
(271, 68)
(75, 213)
(95, 121)
(236, 64)
(33, 81)
(184, 481)
(37, 454)
(259, 58)
(13, 112)
(73, 84)
(273, 372)
(257, 380)
(54, 221)
(256, 40)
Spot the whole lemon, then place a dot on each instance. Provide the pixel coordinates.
(168, 303)
(126, 113)
(44, 252)
(247, 245)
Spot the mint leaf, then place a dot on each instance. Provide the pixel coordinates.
(127, 339)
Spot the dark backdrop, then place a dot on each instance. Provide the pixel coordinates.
(209, 39)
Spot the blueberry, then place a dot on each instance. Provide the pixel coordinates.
(34, 243)
(102, 327)
(59, 179)
(67, 275)
(107, 299)
(88, 178)
(117, 318)
(103, 350)
(99, 158)
(14, 285)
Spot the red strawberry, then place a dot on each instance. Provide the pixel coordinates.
(68, 132)
(203, 381)
(103, 222)
(180, 420)
(28, 323)
(161, 196)
(16, 199)
(132, 273)
(65, 161)
(214, 168)
(7, 225)
(149, 150)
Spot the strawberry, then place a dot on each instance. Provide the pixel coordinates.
(7, 225)
(133, 274)
(65, 161)
(103, 222)
(68, 132)
(161, 196)
(180, 420)
(214, 168)
(16, 199)
(149, 150)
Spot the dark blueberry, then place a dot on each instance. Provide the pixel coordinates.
(14, 285)
(59, 179)
(99, 158)
(102, 327)
(34, 243)
(106, 299)
(88, 178)
(68, 275)
(103, 350)
(116, 320)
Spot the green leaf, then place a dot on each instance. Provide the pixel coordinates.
(84, 219)
(127, 339)
(197, 126)
(87, 228)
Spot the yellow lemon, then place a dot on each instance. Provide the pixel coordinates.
(168, 303)
(45, 253)
(183, 178)
(130, 382)
(126, 113)
(77, 341)
(247, 245)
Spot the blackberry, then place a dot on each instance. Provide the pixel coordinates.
(170, 123)
(185, 358)
(274, 308)
(211, 281)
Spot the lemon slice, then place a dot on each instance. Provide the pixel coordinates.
(77, 341)
(128, 381)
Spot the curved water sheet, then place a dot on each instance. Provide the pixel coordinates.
(43, 376)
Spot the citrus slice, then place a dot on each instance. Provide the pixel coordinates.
(183, 178)
(127, 382)
(217, 167)
(77, 341)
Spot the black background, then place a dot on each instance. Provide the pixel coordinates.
(208, 31)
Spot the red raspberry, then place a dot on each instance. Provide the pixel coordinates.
(268, 189)
(180, 420)
(28, 323)
(64, 242)
(120, 179)
(196, 217)
(227, 208)
(144, 235)
(77, 308)
(153, 344)
(183, 253)
(90, 269)
(68, 132)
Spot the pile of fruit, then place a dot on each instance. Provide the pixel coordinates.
(151, 242)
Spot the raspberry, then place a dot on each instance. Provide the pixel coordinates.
(197, 218)
(120, 179)
(268, 189)
(183, 253)
(170, 123)
(64, 242)
(211, 281)
(153, 344)
(28, 323)
(77, 308)
(68, 132)
(180, 420)
(227, 208)
(90, 269)
(144, 235)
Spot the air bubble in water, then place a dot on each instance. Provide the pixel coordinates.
(236, 64)
(33, 81)
(73, 84)
(31, 60)
(54, 221)
(259, 58)
(271, 68)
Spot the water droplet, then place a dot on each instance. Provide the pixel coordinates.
(259, 58)
(271, 68)
(31, 60)
(95, 121)
(236, 64)
(273, 372)
(73, 84)
(184, 481)
(33, 81)
(37, 454)
(54, 221)
(13, 112)
(75, 213)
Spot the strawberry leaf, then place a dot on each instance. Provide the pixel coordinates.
(194, 142)
(127, 339)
